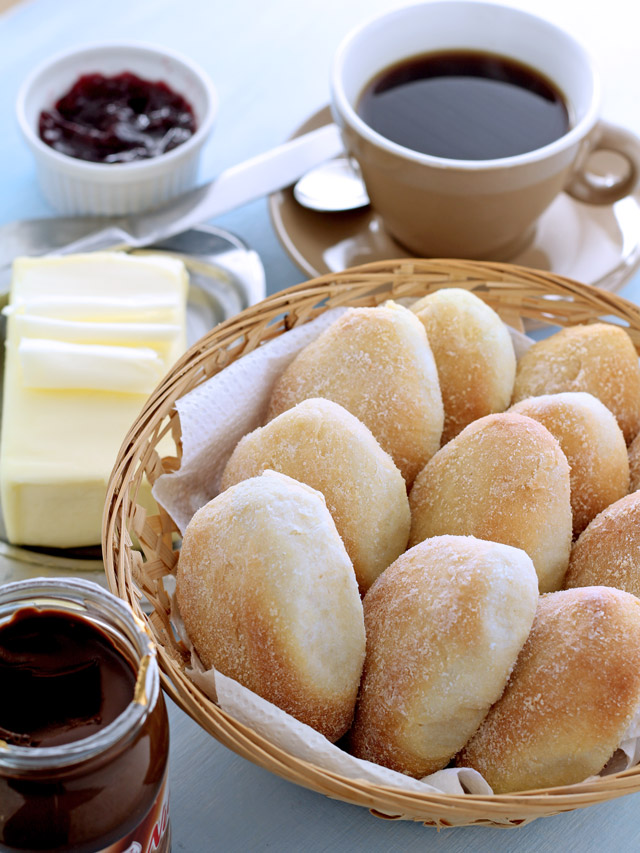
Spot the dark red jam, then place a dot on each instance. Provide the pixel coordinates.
(65, 678)
(117, 119)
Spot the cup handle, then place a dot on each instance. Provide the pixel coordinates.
(585, 187)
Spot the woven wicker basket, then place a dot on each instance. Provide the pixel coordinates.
(517, 294)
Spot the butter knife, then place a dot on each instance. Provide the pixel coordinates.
(238, 185)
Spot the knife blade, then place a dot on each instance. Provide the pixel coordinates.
(259, 176)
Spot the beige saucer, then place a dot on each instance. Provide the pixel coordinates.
(595, 244)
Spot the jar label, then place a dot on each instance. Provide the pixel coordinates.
(152, 833)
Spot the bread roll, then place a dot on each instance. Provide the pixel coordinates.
(321, 444)
(473, 353)
(593, 443)
(376, 362)
(504, 478)
(444, 626)
(269, 597)
(608, 551)
(634, 464)
(599, 358)
(572, 694)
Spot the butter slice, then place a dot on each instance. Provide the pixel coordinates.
(88, 336)
(124, 334)
(101, 287)
(58, 364)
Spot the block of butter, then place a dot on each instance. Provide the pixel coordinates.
(88, 338)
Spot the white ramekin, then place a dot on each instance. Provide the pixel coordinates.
(74, 186)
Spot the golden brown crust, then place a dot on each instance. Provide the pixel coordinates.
(598, 358)
(268, 597)
(444, 626)
(572, 694)
(503, 478)
(473, 353)
(594, 445)
(376, 362)
(321, 444)
(608, 551)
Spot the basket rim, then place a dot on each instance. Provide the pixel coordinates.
(242, 739)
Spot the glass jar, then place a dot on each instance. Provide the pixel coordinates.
(107, 791)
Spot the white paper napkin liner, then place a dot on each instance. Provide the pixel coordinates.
(214, 417)
(218, 413)
(301, 741)
(630, 744)
(627, 754)
(305, 743)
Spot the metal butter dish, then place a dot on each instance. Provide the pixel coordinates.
(225, 277)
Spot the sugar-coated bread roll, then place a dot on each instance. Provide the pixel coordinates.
(503, 478)
(573, 692)
(594, 445)
(599, 358)
(321, 444)
(474, 356)
(608, 551)
(269, 597)
(634, 464)
(377, 363)
(444, 626)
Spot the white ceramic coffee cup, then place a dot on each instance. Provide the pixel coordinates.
(475, 208)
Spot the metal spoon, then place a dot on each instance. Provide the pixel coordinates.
(332, 186)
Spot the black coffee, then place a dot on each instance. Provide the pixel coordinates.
(464, 105)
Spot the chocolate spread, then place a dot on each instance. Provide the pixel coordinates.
(83, 758)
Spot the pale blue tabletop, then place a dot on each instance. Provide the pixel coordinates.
(270, 62)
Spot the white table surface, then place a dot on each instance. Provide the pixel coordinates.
(270, 61)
